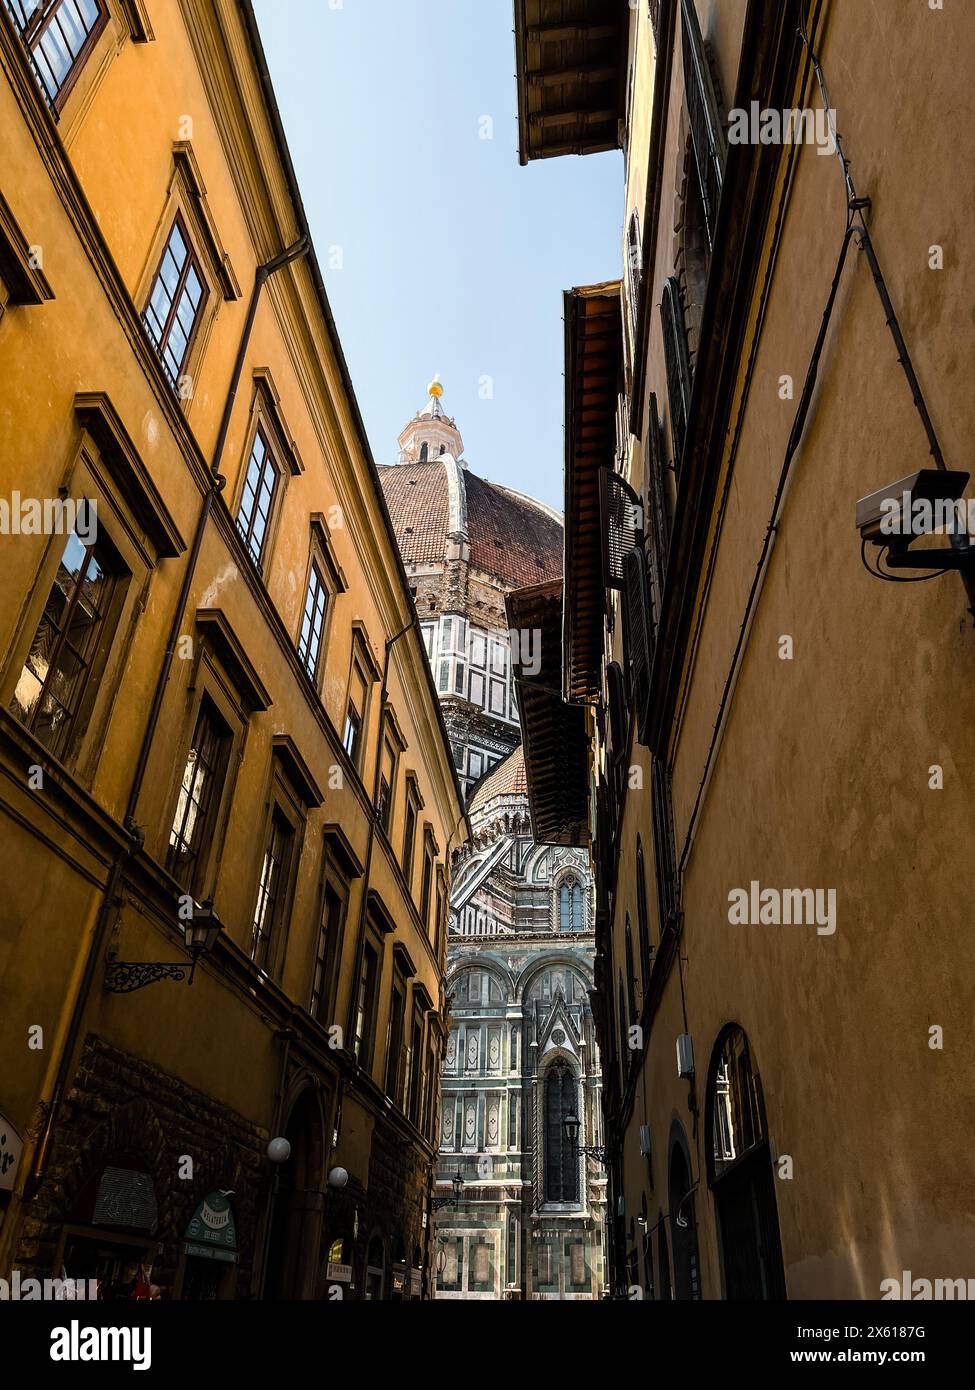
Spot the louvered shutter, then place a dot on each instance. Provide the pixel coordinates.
(663, 843)
(658, 508)
(707, 134)
(677, 363)
(621, 524)
(617, 709)
(639, 636)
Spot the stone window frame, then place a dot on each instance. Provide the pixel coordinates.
(430, 855)
(103, 466)
(339, 867)
(186, 201)
(266, 418)
(124, 21)
(361, 662)
(413, 805)
(290, 796)
(321, 559)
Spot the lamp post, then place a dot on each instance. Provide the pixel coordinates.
(571, 1124)
(200, 932)
(457, 1183)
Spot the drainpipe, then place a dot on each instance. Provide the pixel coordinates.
(373, 818)
(135, 834)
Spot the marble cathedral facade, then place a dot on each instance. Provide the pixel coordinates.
(521, 1054)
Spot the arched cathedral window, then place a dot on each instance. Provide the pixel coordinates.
(572, 917)
(424, 451)
(561, 1160)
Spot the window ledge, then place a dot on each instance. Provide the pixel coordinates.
(98, 416)
(26, 283)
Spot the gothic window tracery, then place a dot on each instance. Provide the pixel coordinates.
(561, 1160)
(572, 917)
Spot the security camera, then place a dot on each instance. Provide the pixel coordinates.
(913, 506)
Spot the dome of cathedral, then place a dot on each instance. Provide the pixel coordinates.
(511, 537)
(506, 778)
(434, 499)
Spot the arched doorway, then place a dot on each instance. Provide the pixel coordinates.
(740, 1173)
(298, 1203)
(683, 1220)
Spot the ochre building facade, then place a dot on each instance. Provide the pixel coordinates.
(780, 748)
(220, 742)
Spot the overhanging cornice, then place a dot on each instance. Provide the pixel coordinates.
(593, 376)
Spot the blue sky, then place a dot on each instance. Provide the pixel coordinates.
(454, 257)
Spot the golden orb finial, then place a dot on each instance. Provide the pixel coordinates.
(435, 388)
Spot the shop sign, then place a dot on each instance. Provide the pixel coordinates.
(416, 1283)
(212, 1232)
(338, 1273)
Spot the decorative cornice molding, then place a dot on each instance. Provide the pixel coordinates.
(186, 168)
(98, 416)
(214, 626)
(25, 281)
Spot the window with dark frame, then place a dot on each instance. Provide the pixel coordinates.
(384, 803)
(409, 838)
(68, 648)
(561, 1160)
(394, 1053)
(59, 35)
(199, 797)
(365, 1011)
(630, 975)
(329, 936)
(427, 884)
(350, 738)
(643, 916)
(272, 888)
(176, 300)
(257, 498)
(416, 1065)
(355, 714)
(438, 924)
(313, 622)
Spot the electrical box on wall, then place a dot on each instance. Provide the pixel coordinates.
(645, 1141)
(685, 1056)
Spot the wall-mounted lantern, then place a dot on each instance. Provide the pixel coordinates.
(200, 932)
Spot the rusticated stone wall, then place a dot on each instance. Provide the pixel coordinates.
(119, 1104)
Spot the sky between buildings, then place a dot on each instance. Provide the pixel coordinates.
(453, 256)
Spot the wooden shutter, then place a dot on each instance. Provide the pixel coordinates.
(677, 363)
(707, 134)
(621, 524)
(665, 854)
(617, 709)
(639, 636)
(658, 501)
